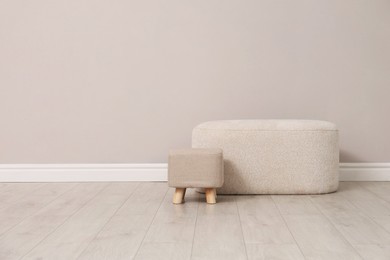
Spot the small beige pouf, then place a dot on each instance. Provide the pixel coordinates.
(274, 156)
(195, 168)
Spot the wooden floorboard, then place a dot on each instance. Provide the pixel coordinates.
(19, 240)
(123, 234)
(218, 233)
(14, 213)
(72, 237)
(10, 193)
(171, 233)
(132, 220)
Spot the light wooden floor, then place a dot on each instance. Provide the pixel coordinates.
(138, 221)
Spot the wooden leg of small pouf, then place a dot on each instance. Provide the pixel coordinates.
(210, 195)
(184, 194)
(178, 197)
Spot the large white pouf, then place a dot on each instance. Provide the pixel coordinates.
(274, 156)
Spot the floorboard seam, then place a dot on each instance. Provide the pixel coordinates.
(242, 231)
(288, 228)
(151, 222)
(196, 221)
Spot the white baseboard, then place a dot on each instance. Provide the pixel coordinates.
(364, 171)
(148, 172)
(82, 172)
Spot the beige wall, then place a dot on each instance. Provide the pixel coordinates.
(85, 81)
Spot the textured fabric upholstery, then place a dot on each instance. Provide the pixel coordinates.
(195, 168)
(274, 156)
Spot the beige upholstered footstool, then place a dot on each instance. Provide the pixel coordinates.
(195, 168)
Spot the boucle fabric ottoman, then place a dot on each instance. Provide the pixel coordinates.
(274, 156)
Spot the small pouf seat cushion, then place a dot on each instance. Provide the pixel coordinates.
(195, 168)
(274, 156)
